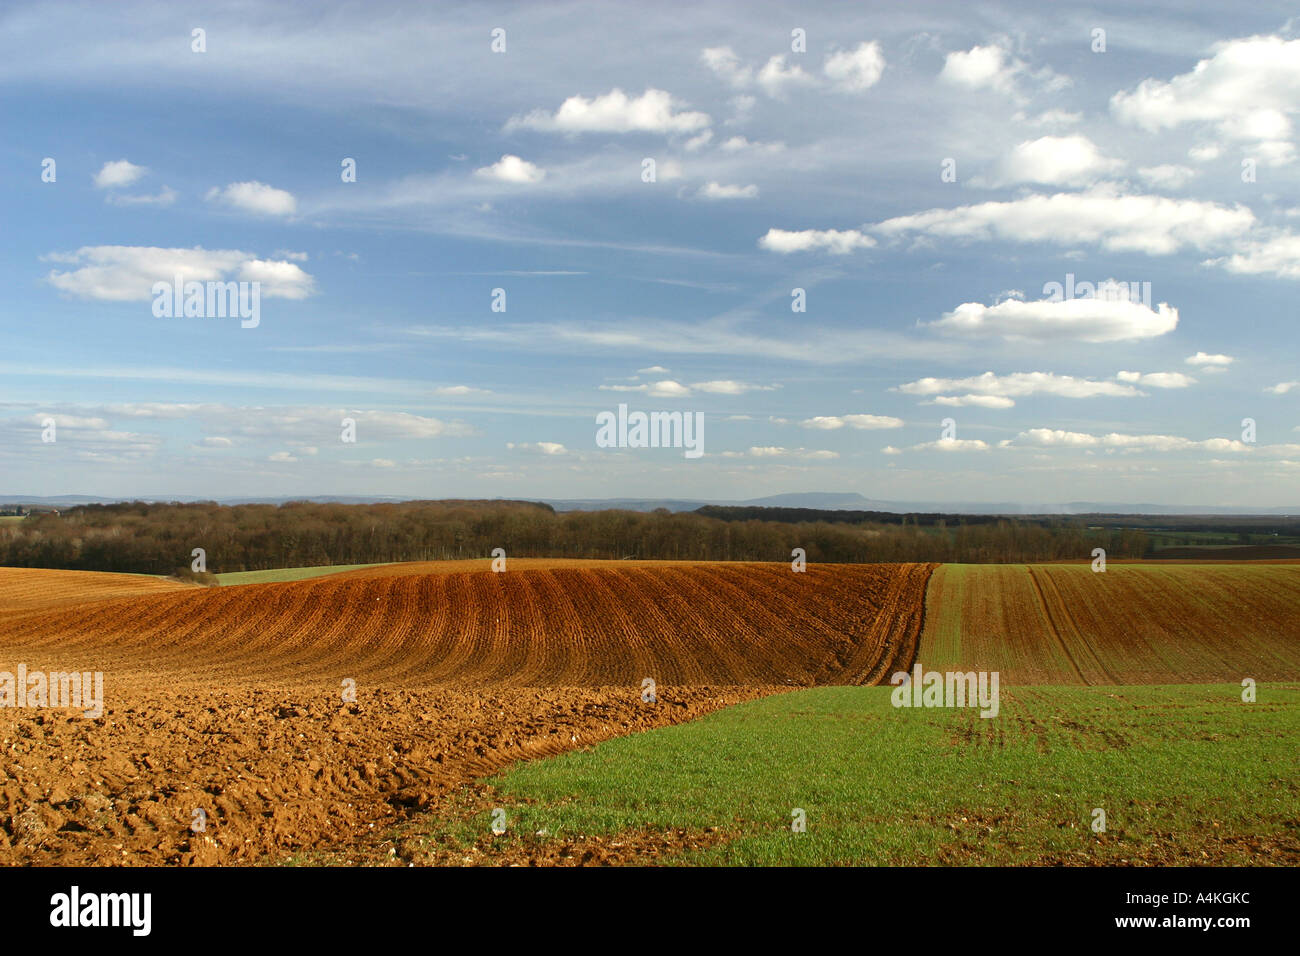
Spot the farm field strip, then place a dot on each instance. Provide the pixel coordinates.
(1132, 624)
(616, 624)
(1167, 764)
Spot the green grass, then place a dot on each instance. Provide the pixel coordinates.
(11, 519)
(287, 574)
(1186, 774)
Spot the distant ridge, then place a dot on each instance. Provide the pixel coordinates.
(823, 500)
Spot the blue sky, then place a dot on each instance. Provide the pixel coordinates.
(922, 172)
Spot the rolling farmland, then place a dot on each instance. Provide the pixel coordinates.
(228, 699)
(1133, 624)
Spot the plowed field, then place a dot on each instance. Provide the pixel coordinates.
(1132, 624)
(229, 700)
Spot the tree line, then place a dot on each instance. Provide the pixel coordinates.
(154, 538)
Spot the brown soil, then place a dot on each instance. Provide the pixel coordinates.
(230, 700)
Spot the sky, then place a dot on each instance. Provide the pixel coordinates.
(938, 251)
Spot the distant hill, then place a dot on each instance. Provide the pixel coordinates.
(820, 500)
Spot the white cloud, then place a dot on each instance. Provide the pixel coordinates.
(729, 387)
(671, 389)
(1084, 320)
(1247, 91)
(1281, 388)
(653, 370)
(118, 173)
(699, 142)
(128, 273)
(776, 78)
(1157, 379)
(722, 60)
(737, 143)
(539, 448)
(862, 422)
(1156, 225)
(952, 444)
(980, 67)
(1068, 439)
(840, 243)
(980, 401)
(654, 111)
(216, 441)
(512, 169)
(1278, 256)
(717, 191)
(1209, 362)
(282, 456)
(851, 71)
(1054, 160)
(1016, 385)
(776, 451)
(255, 197)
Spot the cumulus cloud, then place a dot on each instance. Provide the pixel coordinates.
(1068, 439)
(979, 401)
(1281, 388)
(539, 448)
(833, 240)
(255, 197)
(863, 422)
(1002, 389)
(670, 389)
(718, 191)
(512, 169)
(776, 78)
(1083, 320)
(1157, 379)
(1054, 160)
(1209, 362)
(992, 67)
(726, 65)
(1247, 91)
(1156, 225)
(128, 273)
(852, 71)
(844, 71)
(952, 444)
(736, 144)
(654, 111)
(1278, 256)
(776, 451)
(118, 173)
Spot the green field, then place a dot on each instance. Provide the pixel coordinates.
(1185, 774)
(287, 574)
(11, 519)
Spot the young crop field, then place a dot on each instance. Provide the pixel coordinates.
(1183, 774)
(1132, 624)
